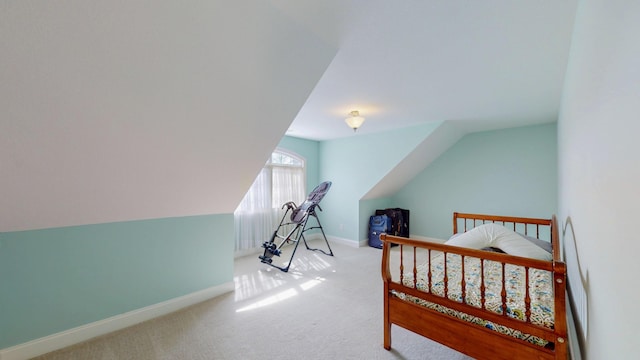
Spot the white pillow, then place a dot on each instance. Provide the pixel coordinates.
(476, 238)
(498, 236)
(545, 245)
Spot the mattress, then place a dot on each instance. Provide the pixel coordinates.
(540, 291)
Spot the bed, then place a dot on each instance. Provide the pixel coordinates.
(471, 295)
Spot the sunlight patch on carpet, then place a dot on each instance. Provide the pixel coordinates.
(270, 300)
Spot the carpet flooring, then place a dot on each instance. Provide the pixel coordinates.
(323, 308)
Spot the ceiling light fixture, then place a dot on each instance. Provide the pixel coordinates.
(354, 120)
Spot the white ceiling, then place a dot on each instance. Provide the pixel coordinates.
(139, 109)
(484, 64)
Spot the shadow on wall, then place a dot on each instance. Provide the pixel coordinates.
(577, 284)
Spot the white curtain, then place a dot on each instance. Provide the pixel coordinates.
(259, 213)
(288, 185)
(254, 216)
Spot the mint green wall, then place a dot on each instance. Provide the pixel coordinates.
(308, 149)
(370, 206)
(502, 172)
(57, 279)
(354, 165)
(367, 208)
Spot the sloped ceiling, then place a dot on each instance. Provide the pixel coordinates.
(483, 64)
(434, 145)
(126, 110)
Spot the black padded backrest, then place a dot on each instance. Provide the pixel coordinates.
(319, 192)
(313, 199)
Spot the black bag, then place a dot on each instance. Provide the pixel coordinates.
(378, 224)
(398, 221)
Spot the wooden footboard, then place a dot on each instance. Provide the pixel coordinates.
(442, 309)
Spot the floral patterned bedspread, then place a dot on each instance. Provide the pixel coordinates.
(540, 291)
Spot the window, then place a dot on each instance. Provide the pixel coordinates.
(258, 215)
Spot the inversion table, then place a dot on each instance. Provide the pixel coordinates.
(298, 220)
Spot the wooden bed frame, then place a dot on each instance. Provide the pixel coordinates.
(468, 338)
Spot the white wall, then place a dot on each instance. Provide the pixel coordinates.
(599, 174)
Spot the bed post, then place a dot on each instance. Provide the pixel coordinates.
(560, 287)
(386, 278)
(555, 239)
(560, 311)
(455, 223)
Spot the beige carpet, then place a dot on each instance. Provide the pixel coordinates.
(323, 308)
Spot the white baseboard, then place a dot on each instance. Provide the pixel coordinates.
(309, 237)
(346, 242)
(82, 333)
(365, 242)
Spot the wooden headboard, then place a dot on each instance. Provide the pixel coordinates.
(546, 229)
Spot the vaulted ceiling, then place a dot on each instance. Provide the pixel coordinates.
(123, 110)
(482, 64)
